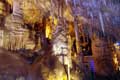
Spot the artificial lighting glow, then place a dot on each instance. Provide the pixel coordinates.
(117, 45)
(68, 15)
(55, 21)
(115, 61)
(10, 2)
(1, 7)
(30, 12)
(57, 48)
(49, 29)
(119, 68)
(48, 32)
(61, 49)
(63, 77)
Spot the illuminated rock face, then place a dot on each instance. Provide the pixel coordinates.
(4, 8)
(14, 23)
(17, 7)
(118, 56)
(1, 8)
(1, 38)
(60, 43)
(16, 36)
(4, 11)
(103, 57)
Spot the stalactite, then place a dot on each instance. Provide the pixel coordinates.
(101, 22)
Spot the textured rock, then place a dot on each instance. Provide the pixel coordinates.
(12, 66)
(103, 57)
